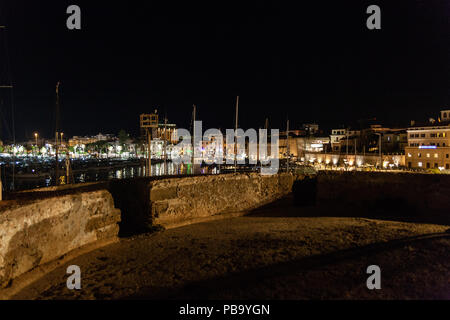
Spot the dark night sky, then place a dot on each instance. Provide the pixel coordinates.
(311, 62)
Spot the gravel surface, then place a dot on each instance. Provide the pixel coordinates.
(272, 254)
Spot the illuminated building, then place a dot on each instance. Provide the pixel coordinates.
(429, 144)
(77, 140)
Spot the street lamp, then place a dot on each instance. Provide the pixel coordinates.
(36, 138)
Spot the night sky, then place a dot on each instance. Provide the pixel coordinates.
(309, 62)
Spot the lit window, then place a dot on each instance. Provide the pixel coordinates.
(435, 155)
(419, 164)
(428, 155)
(409, 155)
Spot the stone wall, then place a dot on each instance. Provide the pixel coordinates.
(40, 226)
(38, 230)
(147, 203)
(180, 201)
(337, 159)
(401, 192)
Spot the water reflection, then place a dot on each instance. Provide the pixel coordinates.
(94, 174)
(100, 174)
(158, 169)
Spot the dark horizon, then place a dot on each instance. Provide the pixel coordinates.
(311, 63)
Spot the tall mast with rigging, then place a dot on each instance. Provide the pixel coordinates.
(56, 135)
(194, 114)
(235, 134)
(7, 85)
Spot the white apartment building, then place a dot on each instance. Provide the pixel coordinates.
(429, 145)
(335, 138)
(338, 138)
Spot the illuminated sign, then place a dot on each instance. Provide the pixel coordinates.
(427, 147)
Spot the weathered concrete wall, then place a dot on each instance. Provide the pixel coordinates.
(180, 201)
(37, 231)
(147, 203)
(336, 159)
(403, 192)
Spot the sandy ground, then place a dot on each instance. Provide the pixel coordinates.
(279, 252)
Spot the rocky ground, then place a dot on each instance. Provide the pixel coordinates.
(278, 252)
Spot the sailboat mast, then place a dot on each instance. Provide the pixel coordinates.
(56, 135)
(165, 145)
(149, 147)
(287, 145)
(193, 137)
(235, 134)
(9, 85)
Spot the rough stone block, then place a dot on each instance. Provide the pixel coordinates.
(39, 231)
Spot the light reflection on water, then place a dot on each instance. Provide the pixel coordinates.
(126, 172)
(129, 172)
